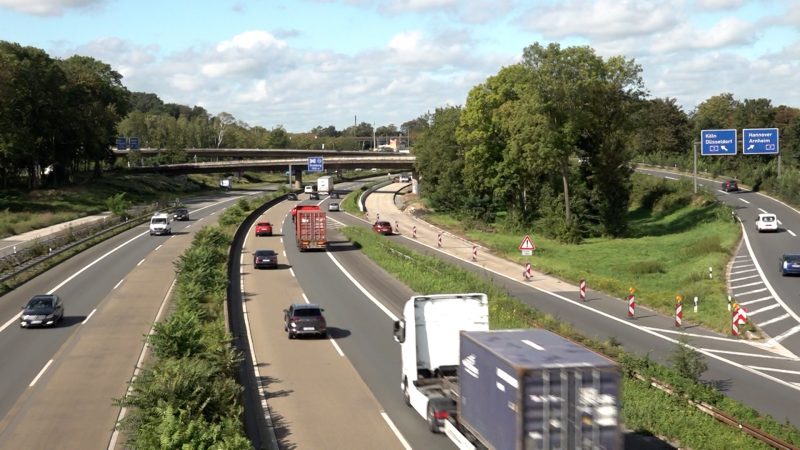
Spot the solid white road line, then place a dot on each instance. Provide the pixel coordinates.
(291, 271)
(762, 210)
(769, 297)
(771, 321)
(158, 248)
(772, 369)
(766, 308)
(122, 411)
(395, 430)
(41, 372)
(118, 283)
(754, 355)
(784, 335)
(362, 289)
(336, 346)
(791, 232)
(140, 262)
(305, 298)
(88, 317)
(747, 285)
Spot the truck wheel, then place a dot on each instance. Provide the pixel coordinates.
(406, 395)
(434, 427)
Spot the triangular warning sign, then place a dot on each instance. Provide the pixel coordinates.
(527, 244)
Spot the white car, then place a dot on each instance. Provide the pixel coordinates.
(160, 224)
(767, 222)
(333, 206)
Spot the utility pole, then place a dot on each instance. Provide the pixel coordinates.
(694, 146)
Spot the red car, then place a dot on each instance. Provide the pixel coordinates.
(382, 227)
(263, 229)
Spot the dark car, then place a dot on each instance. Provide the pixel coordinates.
(291, 196)
(304, 319)
(334, 195)
(181, 214)
(265, 259)
(313, 196)
(790, 264)
(42, 311)
(382, 227)
(730, 185)
(263, 229)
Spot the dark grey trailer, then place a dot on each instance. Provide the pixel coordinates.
(533, 389)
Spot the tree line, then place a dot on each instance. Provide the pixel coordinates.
(551, 142)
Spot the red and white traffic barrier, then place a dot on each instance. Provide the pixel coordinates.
(631, 305)
(526, 272)
(414, 231)
(397, 226)
(582, 290)
(679, 311)
(474, 252)
(439, 240)
(739, 318)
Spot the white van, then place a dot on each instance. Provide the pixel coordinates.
(308, 189)
(160, 224)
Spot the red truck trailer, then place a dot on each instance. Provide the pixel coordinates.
(310, 227)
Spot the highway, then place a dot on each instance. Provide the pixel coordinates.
(763, 375)
(68, 376)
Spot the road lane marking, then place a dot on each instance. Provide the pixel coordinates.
(695, 335)
(118, 283)
(756, 300)
(395, 431)
(747, 285)
(754, 291)
(791, 232)
(762, 210)
(362, 289)
(123, 410)
(158, 248)
(291, 271)
(669, 177)
(743, 271)
(777, 339)
(305, 298)
(772, 369)
(140, 262)
(771, 321)
(766, 308)
(88, 317)
(41, 372)
(744, 200)
(744, 278)
(10, 321)
(336, 346)
(754, 355)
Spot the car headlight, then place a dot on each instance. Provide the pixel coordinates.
(50, 316)
(293, 325)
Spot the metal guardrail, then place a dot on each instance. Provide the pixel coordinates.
(725, 418)
(38, 251)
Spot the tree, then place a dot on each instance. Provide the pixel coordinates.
(440, 160)
(583, 104)
(663, 128)
(220, 124)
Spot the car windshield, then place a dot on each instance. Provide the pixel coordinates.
(792, 259)
(264, 252)
(182, 210)
(158, 221)
(40, 303)
(383, 224)
(264, 224)
(307, 312)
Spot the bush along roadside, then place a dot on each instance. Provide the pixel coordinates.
(646, 409)
(188, 396)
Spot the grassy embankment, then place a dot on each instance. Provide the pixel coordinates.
(675, 237)
(645, 409)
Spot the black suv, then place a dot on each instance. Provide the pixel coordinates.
(42, 311)
(304, 319)
(291, 196)
(181, 214)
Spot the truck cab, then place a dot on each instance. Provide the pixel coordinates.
(428, 334)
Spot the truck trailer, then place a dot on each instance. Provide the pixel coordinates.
(503, 389)
(325, 184)
(310, 227)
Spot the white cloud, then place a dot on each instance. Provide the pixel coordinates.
(251, 40)
(727, 32)
(48, 7)
(600, 19)
(719, 5)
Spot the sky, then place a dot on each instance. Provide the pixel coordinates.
(300, 64)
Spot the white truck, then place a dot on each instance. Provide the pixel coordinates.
(503, 389)
(325, 184)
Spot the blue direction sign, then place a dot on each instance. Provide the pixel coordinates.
(718, 142)
(134, 142)
(315, 164)
(760, 141)
(122, 143)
